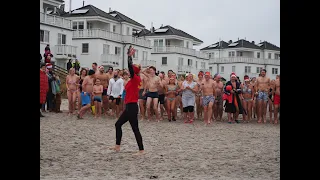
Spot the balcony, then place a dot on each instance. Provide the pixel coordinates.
(245, 60)
(99, 33)
(55, 21)
(184, 69)
(181, 50)
(65, 51)
(110, 60)
(146, 63)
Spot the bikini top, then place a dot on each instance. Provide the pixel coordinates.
(246, 89)
(172, 88)
(71, 82)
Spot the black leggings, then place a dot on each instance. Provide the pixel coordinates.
(129, 114)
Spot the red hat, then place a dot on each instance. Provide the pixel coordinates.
(136, 68)
(228, 88)
(233, 74)
(200, 73)
(207, 74)
(48, 65)
(246, 78)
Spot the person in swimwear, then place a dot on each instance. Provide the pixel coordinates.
(170, 91)
(254, 101)
(209, 95)
(161, 94)
(199, 107)
(276, 99)
(261, 89)
(83, 74)
(104, 81)
(218, 102)
(247, 95)
(86, 94)
(72, 80)
(97, 97)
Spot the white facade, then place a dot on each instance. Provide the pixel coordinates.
(57, 32)
(176, 53)
(243, 61)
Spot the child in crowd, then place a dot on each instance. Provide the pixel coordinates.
(97, 97)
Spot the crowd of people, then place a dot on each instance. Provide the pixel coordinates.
(160, 95)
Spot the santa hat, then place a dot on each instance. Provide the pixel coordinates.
(246, 78)
(200, 73)
(233, 74)
(101, 68)
(48, 65)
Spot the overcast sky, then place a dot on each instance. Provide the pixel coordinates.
(207, 20)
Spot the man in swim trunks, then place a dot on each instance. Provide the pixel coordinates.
(276, 100)
(218, 103)
(142, 97)
(208, 97)
(161, 93)
(86, 94)
(152, 85)
(262, 88)
(104, 81)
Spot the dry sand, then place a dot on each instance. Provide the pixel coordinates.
(78, 149)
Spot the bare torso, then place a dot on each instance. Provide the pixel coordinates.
(72, 82)
(98, 90)
(143, 79)
(104, 79)
(153, 83)
(263, 84)
(218, 86)
(161, 86)
(87, 85)
(277, 87)
(207, 88)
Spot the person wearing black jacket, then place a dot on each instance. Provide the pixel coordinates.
(69, 65)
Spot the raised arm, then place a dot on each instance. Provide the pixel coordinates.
(130, 66)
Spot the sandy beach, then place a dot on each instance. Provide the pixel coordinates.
(78, 149)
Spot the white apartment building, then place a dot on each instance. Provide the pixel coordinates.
(56, 31)
(243, 58)
(172, 49)
(104, 38)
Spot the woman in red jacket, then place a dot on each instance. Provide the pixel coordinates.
(44, 86)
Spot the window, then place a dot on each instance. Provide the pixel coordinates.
(269, 55)
(85, 47)
(114, 28)
(145, 55)
(89, 25)
(211, 55)
(239, 53)
(135, 55)
(247, 69)
(274, 70)
(187, 44)
(164, 60)
(277, 56)
(180, 61)
(189, 62)
(196, 64)
(167, 42)
(61, 38)
(44, 36)
(258, 55)
(222, 69)
(203, 65)
(128, 31)
(78, 25)
(231, 54)
(106, 48)
(233, 68)
(117, 51)
(259, 69)
(158, 42)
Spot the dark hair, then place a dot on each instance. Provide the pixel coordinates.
(42, 64)
(246, 76)
(95, 63)
(170, 71)
(91, 72)
(110, 68)
(162, 72)
(154, 68)
(263, 70)
(83, 69)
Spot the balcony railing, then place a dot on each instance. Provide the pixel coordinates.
(55, 20)
(110, 60)
(245, 60)
(184, 69)
(181, 50)
(64, 51)
(99, 33)
(146, 63)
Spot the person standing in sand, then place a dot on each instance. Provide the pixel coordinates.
(44, 86)
(97, 97)
(161, 88)
(199, 107)
(83, 74)
(152, 85)
(188, 88)
(114, 92)
(131, 112)
(71, 83)
(86, 94)
(261, 89)
(104, 79)
(218, 103)
(276, 99)
(208, 97)
(170, 91)
(142, 97)
(248, 95)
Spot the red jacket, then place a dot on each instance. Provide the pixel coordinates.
(44, 86)
(132, 90)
